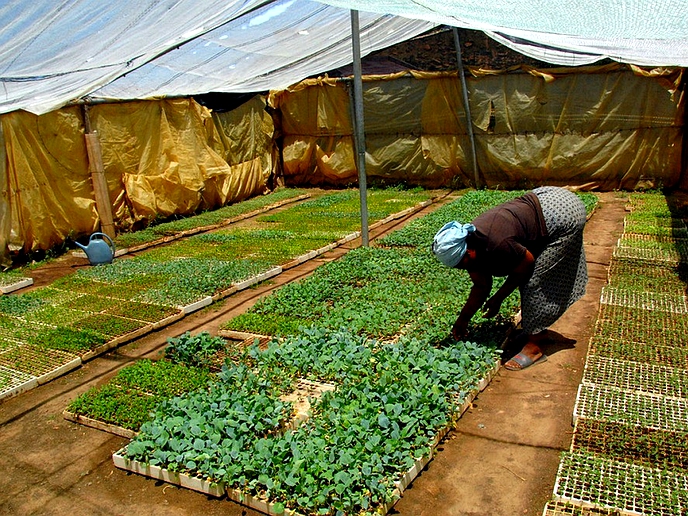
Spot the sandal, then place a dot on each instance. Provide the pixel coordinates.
(524, 361)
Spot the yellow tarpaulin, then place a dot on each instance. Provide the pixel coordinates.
(160, 158)
(599, 127)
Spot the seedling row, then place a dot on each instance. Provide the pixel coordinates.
(628, 453)
(397, 389)
(96, 309)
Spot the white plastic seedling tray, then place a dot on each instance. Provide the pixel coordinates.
(672, 257)
(556, 508)
(648, 410)
(19, 284)
(15, 382)
(674, 303)
(635, 376)
(596, 482)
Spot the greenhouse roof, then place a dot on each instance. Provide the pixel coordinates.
(54, 53)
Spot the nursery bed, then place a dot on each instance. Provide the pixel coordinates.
(557, 508)
(649, 410)
(674, 303)
(627, 488)
(636, 376)
(658, 256)
(218, 489)
(653, 327)
(631, 443)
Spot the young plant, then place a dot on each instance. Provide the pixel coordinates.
(194, 350)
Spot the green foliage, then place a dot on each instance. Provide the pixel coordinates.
(209, 433)
(390, 402)
(207, 218)
(11, 277)
(109, 326)
(194, 350)
(67, 339)
(377, 292)
(141, 311)
(648, 446)
(116, 406)
(20, 304)
(162, 378)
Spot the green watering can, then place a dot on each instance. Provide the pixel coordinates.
(100, 249)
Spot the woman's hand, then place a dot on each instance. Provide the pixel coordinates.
(460, 329)
(492, 306)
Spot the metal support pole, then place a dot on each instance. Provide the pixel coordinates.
(359, 128)
(467, 108)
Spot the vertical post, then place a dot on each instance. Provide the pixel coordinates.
(5, 206)
(97, 170)
(359, 130)
(467, 108)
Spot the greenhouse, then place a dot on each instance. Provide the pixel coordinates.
(224, 289)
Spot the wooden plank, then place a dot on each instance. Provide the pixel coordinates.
(100, 189)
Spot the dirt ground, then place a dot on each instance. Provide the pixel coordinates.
(501, 459)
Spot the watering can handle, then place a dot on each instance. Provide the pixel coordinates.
(105, 237)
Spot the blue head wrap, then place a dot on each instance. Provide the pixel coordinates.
(449, 244)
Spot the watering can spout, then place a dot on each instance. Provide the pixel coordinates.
(100, 249)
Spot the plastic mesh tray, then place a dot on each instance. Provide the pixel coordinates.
(654, 327)
(631, 443)
(556, 508)
(630, 489)
(665, 226)
(13, 382)
(650, 410)
(659, 279)
(38, 361)
(635, 376)
(639, 351)
(675, 303)
(630, 239)
(650, 255)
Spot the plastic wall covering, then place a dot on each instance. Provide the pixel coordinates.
(611, 127)
(160, 158)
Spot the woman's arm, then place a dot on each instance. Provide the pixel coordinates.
(518, 277)
(482, 285)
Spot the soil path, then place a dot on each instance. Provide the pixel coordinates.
(501, 460)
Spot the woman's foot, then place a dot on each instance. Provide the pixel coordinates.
(529, 355)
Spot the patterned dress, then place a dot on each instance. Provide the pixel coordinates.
(561, 273)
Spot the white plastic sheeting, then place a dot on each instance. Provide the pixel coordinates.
(53, 52)
(641, 32)
(271, 48)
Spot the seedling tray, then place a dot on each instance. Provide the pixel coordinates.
(630, 239)
(660, 256)
(214, 489)
(631, 275)
(14, 382)
(218, 489)
(41, 363)
(627, 488)
(653, 327)
(631, 443)
(674, 303)
(649, 410)
(655, 352)
(98, 425)
(555, 508)
(634, 376)
(16, 285)
(301, 397)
